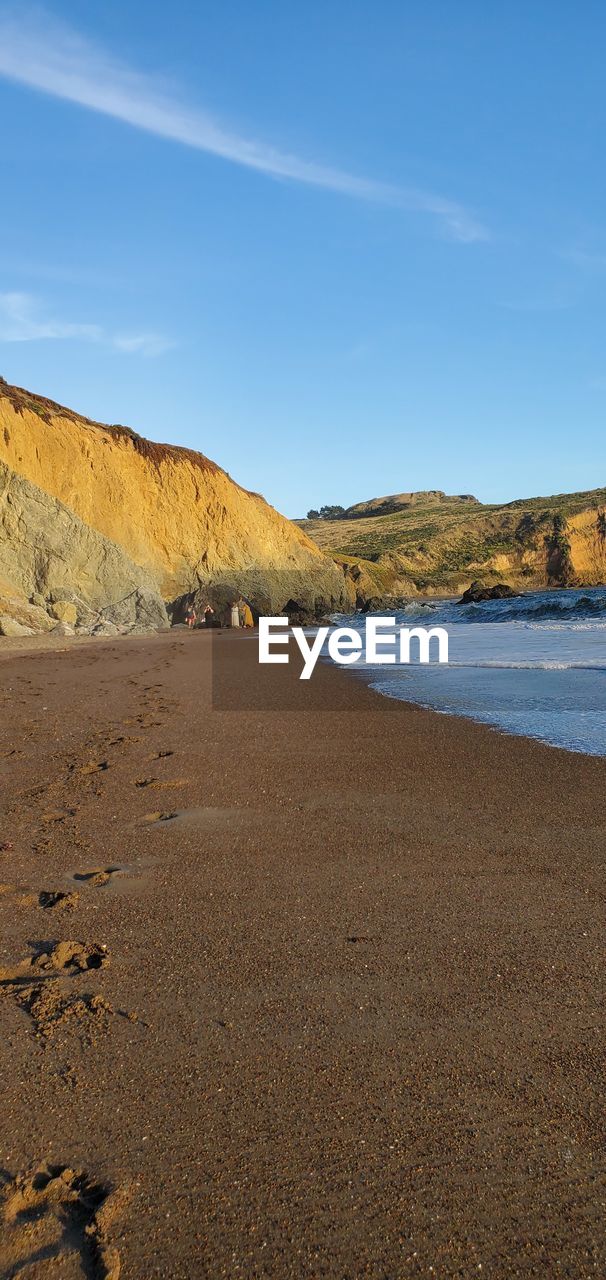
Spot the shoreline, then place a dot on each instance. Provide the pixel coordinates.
(354, 984)
(24, 646)
(485, 724)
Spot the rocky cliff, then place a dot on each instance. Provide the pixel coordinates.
(437, 547)
(131, 513)
(64, 568)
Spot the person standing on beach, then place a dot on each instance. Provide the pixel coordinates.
(244, 613)
(190, 616)
(235, 614)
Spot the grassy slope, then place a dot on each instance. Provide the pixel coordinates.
(441, 547)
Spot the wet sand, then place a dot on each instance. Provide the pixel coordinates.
(325, 995)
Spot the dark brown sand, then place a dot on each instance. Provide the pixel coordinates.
(341, 1017)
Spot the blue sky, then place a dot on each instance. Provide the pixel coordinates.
(344, 249)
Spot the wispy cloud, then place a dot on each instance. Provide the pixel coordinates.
(23, 319)
(36, 51)
(146, 344)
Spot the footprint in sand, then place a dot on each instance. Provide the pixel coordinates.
(58, 1219)
(158, 816)
(159, 785)
(98, 875)
(51, 1008)
(56, 957)
(76, 956)
(59, 815)
(57, 900)
(35, 985)
(92, 767)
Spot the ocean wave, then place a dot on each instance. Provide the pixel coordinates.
(545, 664)
(589, 624)
(488, 664)
(540, 643)
(529, 608)
(419, 608)
(568, 607)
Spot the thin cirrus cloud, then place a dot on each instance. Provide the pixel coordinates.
(23, 319)
(40, 53)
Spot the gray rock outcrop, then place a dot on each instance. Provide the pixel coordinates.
(10, 627)
(48, 554)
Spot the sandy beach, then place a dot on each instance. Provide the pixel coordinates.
(308, 992)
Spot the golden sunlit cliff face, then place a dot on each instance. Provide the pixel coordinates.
(173, 512)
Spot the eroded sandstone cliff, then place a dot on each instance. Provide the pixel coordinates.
(177, 518)
(64, 568)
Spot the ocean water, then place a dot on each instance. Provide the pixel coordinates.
(535, 665)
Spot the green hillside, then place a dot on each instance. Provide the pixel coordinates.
(436, 544)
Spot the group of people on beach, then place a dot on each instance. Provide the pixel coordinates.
(240, 614)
